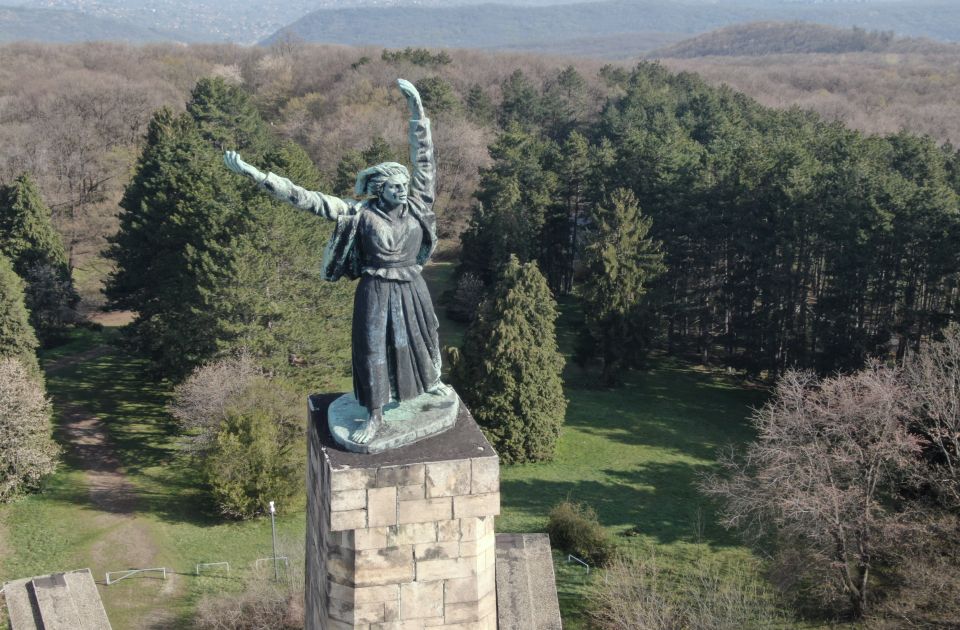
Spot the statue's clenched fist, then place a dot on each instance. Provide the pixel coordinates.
(235, 164)
(413, 98)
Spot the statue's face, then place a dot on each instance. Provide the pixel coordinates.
(394, 191)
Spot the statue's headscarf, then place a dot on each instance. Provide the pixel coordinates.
(370, 180)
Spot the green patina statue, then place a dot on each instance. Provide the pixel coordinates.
(383, 239)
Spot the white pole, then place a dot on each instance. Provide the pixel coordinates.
(273, 527)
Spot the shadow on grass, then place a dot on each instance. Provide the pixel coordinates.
(115, 388)
(656, 500)
(669, 408)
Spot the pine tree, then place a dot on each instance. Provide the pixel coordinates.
(479, 106)
(521, 103)
(181, 216)
(27, 236)
(29, 240)
(211, 264)
(353, 162)
(620, 262)
(17, 339)
(509, 368)
(515, 194)
(274, 303)
(226, 118)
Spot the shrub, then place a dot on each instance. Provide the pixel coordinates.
(247, 432)
(201, 402)
(574, 528)
(635, 595)
(263, 604)
(27, 452)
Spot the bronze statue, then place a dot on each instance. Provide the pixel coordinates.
(383, 239)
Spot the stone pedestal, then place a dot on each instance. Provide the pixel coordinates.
(401, 540)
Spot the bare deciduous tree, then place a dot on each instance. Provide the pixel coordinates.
(933, 380)
(822, 482)
(202, 402)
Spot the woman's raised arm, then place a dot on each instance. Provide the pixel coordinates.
(424, 178)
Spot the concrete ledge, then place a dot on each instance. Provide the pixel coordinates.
(526, 584)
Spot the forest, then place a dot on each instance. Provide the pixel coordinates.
(788, 240)
(662, 221)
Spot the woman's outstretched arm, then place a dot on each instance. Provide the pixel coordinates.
(283, 189)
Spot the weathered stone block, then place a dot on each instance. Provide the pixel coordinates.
(412, 534)
(462, 590)
(420, 600)
(448, 479)
(381, 506)
(348, 519)
(353, 479)
(395, 476)
(393, 565)
(485, 475)
(448, 531)
(410, 624)
(476, 505)
(460, 612)
(348, 500)
(477, 547)
(445, 569)
(425, 510)
(369, 538)
(409, 493)
(436, 551)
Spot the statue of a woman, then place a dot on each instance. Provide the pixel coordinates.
(384, 240)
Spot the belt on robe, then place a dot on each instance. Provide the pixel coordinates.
(397, 264)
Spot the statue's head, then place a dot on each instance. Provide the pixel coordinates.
(388, 181)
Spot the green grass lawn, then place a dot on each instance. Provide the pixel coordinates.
(60, 529)
(633, 453)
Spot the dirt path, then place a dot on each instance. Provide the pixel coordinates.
(74, 359)
(127, 541)
(109, 489)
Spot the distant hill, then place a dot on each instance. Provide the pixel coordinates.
(58, 26)
(528, 28)
(239, 21)
(777, 38)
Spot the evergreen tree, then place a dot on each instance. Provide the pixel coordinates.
(211, 264)
(27, 450)
(437, 95)
(29, 240)
(17, 339)
(521, 104)
(181, 217)
(353, 162)
(620, 261)
(480, 106)
(561, 232)
(509, 369)
(27, 236)
(274, 303)
(226, 117)
(515, 194)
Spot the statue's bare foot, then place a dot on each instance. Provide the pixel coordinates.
(439, 389)
(370, 428)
